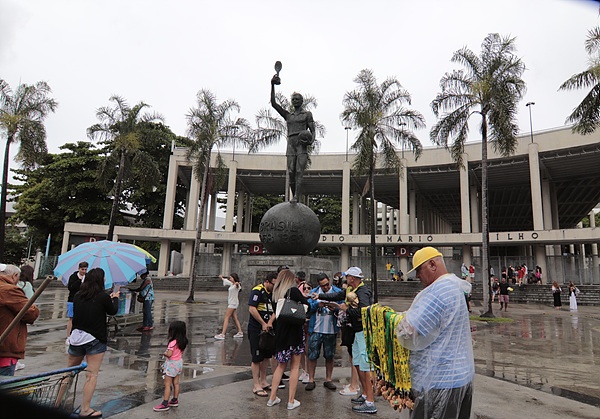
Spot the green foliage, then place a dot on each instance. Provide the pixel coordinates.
(586, 116)
(16, 246)
(586, 220)
(63, 189)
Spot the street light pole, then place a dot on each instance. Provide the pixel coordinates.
(529, 105)
(347, 129)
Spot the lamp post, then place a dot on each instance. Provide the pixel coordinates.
(529, 105)
(347, 129)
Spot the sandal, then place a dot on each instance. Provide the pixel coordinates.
(92, 414)
(260, 393)
(267, 388)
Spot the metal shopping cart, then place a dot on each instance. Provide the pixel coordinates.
(50, 389)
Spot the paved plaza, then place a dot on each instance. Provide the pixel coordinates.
(544, 364)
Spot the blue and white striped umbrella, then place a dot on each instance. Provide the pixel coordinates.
(121, 261)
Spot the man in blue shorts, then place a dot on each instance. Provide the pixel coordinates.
(437, 332)
(322, 331)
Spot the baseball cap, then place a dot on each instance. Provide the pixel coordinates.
(354, 271)
(3, 267)
(423, 255)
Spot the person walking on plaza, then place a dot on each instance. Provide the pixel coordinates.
(573, 293)
(12, 300)
(178, 341)
(503, 298)
(464, 271)
(74, 284)
(289, 340)
(472, 273)
(26, 280)
(260, 307)
(556, 291)
(233, 282)
(322, 331)
(365, 403)
(146, 290)
(88, 338)
(437, 332)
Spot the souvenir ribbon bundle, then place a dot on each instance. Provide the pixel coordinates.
(388, 357)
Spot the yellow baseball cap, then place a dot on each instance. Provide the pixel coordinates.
(423, 255)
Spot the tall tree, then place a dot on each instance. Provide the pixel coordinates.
(586, 116)
(489, 86)
(64, 188)
(210, 124)
(22, 116)
(120, 130)
(379, 113)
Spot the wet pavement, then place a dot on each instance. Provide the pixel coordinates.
(544, 361)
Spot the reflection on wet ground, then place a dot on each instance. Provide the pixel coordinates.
(553, 351)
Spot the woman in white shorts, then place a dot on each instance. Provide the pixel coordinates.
(233, 282)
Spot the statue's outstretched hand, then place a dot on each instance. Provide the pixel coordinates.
(275, 80)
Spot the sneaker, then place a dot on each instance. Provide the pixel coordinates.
(281, 386)
(365, 408)
(271, 403)
(220, 337)
(330, 385)
(174, 403)
(285, 377)
(161, 407)
(19, 366)
(292, 406)
(358, 400)
(347, 392)
(304, 377)
(239, 335)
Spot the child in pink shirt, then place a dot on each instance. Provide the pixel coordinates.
(173, 364)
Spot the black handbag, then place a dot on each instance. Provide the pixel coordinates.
(266, 341)
(290, 311)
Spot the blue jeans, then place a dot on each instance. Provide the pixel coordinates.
(8, 371)
(147, 312)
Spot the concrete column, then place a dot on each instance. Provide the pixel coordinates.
(170, 195)
(384, 226)
(193, 196)
(536, 187)
(595, 261)
(205, 214)
(345, 198)
(248, 211)
(547, 209)
(403, 218)
(239, 225)
(163, 257)
(65, 243)
(412, 224)
(465, 207)
(475, 209)
(230, 196)
(345, 257)
(213, 212)
(226, 260)
(187, 251)
(355, 221)
(363, 216)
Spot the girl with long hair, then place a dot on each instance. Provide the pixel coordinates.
(178, 341)
(289, 340)
(235, 286)
(573, 293)
(556, 295)
(88, 338)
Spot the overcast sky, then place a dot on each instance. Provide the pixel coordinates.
(163, 52)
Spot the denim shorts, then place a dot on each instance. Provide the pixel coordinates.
(70, 310)
(94, 347)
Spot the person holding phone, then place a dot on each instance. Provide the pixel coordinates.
(146, 290)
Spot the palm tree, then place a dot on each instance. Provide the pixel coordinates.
(586, 115)
(210, 124)
(490, 86)
(378, 112)
(22, 115)
(120, 128)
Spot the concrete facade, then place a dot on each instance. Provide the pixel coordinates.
(537, 197)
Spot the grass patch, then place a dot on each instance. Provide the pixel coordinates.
(492, 319)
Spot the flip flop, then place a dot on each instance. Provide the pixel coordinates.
(260, 393)
(267, 388)
(93, 414)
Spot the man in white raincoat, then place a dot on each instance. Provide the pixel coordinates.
(437, 332)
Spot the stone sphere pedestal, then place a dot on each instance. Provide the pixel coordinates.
(289, 228)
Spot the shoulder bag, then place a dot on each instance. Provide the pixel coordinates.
(290, 311)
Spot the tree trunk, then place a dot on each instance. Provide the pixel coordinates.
(199, 226)
(373, 232)
(117, 197)
(485, 229)
(4, 196)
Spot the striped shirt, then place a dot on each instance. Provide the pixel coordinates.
(441, 355)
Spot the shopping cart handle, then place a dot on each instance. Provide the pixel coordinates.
(83, 365)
